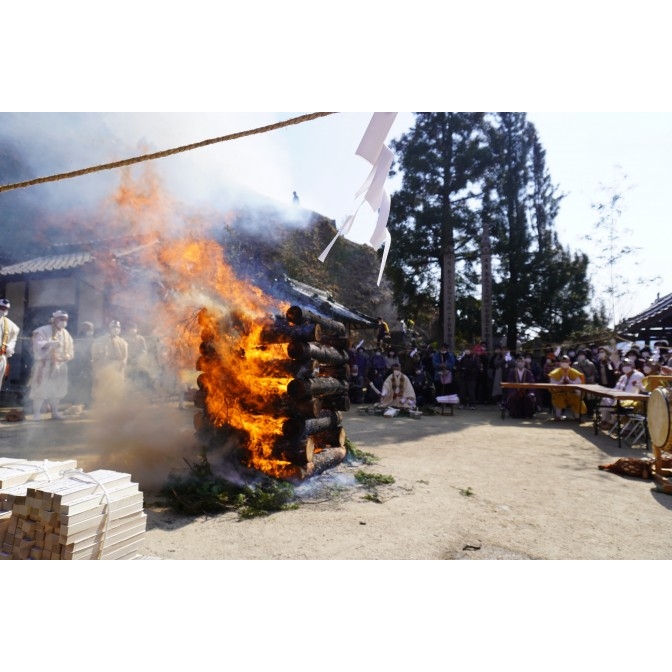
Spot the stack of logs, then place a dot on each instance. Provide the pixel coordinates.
(312, 438)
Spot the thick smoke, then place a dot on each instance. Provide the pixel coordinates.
(185, 197)
(208, 180)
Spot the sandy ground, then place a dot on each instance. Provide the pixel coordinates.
(471, 486)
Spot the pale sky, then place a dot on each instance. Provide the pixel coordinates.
(317, 160)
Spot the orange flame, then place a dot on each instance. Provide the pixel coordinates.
(204, 305)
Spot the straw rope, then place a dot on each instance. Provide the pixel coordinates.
(168, 152)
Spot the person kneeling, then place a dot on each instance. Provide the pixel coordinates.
(520, 403)
(398, 390)
(566, 398)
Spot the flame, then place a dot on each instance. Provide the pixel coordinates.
(238, 391)
(196, 303)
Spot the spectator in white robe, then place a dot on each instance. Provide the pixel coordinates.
(53, 348)
(9, 333)
(398, 390)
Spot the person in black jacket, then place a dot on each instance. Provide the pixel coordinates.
(468, 367)
(605, 374)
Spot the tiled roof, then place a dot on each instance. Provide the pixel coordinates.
(323, 303)
(658, 316)
(659, 309)
(55, 262)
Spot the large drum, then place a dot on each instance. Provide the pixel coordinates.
(658, 416)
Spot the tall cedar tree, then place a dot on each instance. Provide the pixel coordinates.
(433, 221)
(538, 285)
(475, 188)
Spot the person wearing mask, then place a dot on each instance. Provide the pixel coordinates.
(9, 335)
(651, 380)
(53, 347)
(635, 358)
(398, 390)
(390, 360)
(549, 364)
(520, 403)
(362, 361)
(468, 368)
(374, 384)
(109, 355)
(630, 381)
(605, 373)
(425, 392)
(378, 361)
(561, 397)
(585, 365)
(443, 365)
(355, 385)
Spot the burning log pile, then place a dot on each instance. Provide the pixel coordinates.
(279, 398)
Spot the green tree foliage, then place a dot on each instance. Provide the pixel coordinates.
(463, 171)
(432, 216)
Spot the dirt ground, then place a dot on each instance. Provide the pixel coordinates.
(472, 486)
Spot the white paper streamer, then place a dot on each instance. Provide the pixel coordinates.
(378, 235)
(388, 242)
(372, 149)
(374, 194)
(343, 231)
(375, 135)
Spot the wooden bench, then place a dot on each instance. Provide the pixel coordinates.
(450, 406)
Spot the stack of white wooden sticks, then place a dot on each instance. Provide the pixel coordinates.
(53, 511)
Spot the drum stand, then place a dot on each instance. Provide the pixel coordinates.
(661, 475)
(659, 415)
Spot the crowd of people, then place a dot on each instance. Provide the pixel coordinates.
(86, 369)
(90, 368)
(411, 375)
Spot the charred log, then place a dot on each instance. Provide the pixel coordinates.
(289, 367)
(299, 427)
(328, 458)
(341, 372)
(297, 315)
(325, 459)
(338, 342)
(324, 354)
(297, 452)
(321, 386)
(330, 438)
(283, 332)
(308, 407)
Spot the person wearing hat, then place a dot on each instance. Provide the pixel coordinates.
(398, 390)
(521, 403)
(53, 348)
(561, 397)
(10, 333)
(109, 354)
